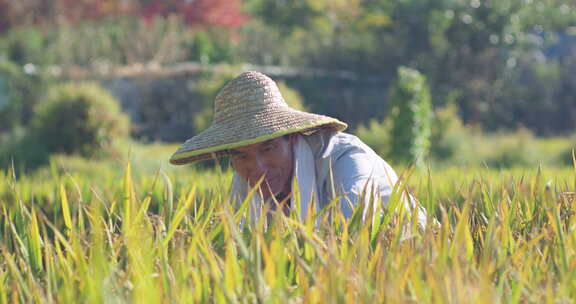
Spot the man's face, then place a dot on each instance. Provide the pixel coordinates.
(273, 159)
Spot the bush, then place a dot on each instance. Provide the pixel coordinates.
(449, 138)
(79, 118)
(376, 136)
(411, 114)
(518, 149)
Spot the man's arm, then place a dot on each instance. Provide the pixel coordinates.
(357, 171)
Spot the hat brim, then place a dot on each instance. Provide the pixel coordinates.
(218, 138)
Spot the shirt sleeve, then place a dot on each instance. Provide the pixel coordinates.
(358, 174)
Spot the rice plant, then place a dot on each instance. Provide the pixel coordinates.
(503, 237)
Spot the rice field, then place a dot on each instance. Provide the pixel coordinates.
(113, 234)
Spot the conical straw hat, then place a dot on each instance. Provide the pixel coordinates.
(247, 110)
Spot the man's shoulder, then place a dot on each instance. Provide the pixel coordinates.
(350, 159)
(346, 139)
(332, 144)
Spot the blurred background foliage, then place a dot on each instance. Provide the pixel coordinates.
(410, 115)
(499, 73)
(79, 118)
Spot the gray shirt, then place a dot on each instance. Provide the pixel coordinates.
(353, 165)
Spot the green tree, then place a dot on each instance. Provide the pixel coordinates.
(411, 115)
(485, 53)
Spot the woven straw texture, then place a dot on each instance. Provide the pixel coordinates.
(248, 110)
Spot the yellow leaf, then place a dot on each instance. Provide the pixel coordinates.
(65, 208)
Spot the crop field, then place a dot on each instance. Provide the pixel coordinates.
(471, 102)
(80, 232)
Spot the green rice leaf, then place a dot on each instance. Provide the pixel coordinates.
(36, 240)
(179, 216)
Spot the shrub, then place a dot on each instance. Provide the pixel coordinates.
(411, 116)
(449, 137)
(19, 93)
(79, 118)
(376, 136)
(517, 149)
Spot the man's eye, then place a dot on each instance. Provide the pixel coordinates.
(269, 148)
(239, 156)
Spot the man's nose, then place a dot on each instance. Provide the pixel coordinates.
(260, 169)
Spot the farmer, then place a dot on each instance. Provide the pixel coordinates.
(271, 143)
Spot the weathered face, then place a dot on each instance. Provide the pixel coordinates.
(273, 159)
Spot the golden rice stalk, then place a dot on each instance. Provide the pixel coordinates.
(179, 216)
(65, 207)
(35, 238)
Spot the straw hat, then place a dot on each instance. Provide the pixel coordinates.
(248, 110)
